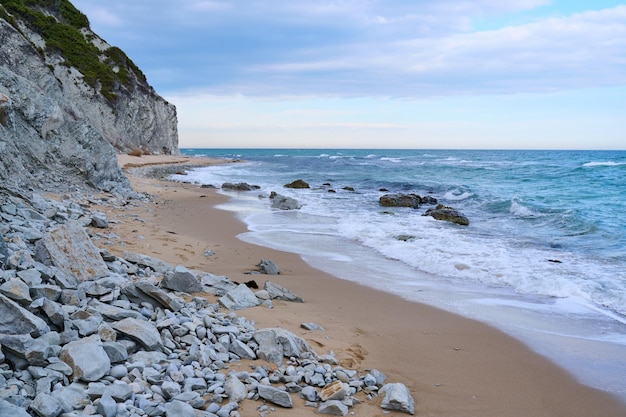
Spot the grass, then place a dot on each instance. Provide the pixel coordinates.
(59, 23)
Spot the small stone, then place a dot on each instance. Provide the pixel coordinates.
(333, 391)
(45, 405)
(276, 396)
(107, 406)
(333, 407)
(235, 389)
(397, 398)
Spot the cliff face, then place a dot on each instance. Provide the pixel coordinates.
(69, 101)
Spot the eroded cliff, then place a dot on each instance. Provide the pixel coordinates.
(69, 101)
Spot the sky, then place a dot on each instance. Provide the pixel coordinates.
(420, 74)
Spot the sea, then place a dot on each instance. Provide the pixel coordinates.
(543, 258)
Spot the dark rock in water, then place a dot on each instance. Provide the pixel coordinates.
(404, 238)
(348, 188)
(428, 200)
(448, 214)
(297, 184)
(240, 186)
(400, 200)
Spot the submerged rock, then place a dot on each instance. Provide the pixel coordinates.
(297, 184)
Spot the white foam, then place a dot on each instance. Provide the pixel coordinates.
(603, 164)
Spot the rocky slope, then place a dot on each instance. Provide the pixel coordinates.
(69, 102)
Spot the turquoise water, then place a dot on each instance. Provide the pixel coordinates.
(544, 256)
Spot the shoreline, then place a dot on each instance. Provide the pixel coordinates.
(452, 365)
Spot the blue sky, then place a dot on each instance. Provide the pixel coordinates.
(381, 73)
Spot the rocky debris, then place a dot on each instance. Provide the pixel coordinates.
(448, 214)
(268, 267)
(282, 202)
(133, 342)
(405, 200)
(240, 186)
(297, 184)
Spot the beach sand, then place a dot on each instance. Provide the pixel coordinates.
(453, 366)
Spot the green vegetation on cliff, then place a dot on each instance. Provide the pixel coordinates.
(61, 26)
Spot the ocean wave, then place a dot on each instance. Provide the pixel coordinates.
(519, 210)
(456, 195)
(603, 164)
(390, 159)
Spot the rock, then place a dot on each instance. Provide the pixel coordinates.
(268, 267)
(107, 407)
(242, 350)
(397, 398)
(45, 405)
(181, 280)
(17, 290)
(333, 391)
(18, 321)
(449, 214)
(333, 407)
(99, 220)
(297, 184)
(147, 261)
(179, 409)
(239, 298)
(283, 202)
(277, 291)
(4, 252)
(276, 343)
(11, 410)
(112, 312)
(400, 200)
(241, 186)
(115, 351)
(142, 331)
(74, 253)
(87, 358)
(235, 389)
(309, 393)
(276, 396)
(143, 291)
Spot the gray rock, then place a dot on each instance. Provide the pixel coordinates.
(87, 358)
(311, 326)
(190, 397)
(16, 320)
(107, 406)
(267, 266)
(242, 350)
(235, 389)
(400, 200)
(4, 252)
(277, 291)
(170, 389)
(115, 351)
(181, 280)
(142, 331)
(30, 276)
(148, 261)
(47, 291)
(45, 405)
(276, 343)
(119, 391)
(114, 313)
(17, 290)
(11, 410)
(333, 407)
(282, 202)
(72, 251)
(143, 291)
(276, 396)
(241, 186)
(239, 298)
(72, 397)
(397, 398)
(218, 285)
(99, 220)
(179, 409)
(309, 393)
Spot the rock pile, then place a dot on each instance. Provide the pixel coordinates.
(84, 332)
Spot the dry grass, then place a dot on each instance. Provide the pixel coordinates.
(136, 152)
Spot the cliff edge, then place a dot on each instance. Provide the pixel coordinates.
(69, 102)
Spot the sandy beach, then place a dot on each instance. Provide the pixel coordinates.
(453, 366)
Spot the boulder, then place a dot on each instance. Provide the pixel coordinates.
(45, 405)
(181, 279)
(397, 398)
(239, 298)
(147, 261)
(268, 267)
(87, 359)
(143, 291)
(276, 396)
(448, 214)
(72, 251)
(297, 184)
(16, 320)
(276, 343)
(240, 186)
(141, 331)
(400, 200)
(235, 389)
(333, 408)
(277, 291)
(12, 410)
(282, 202)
